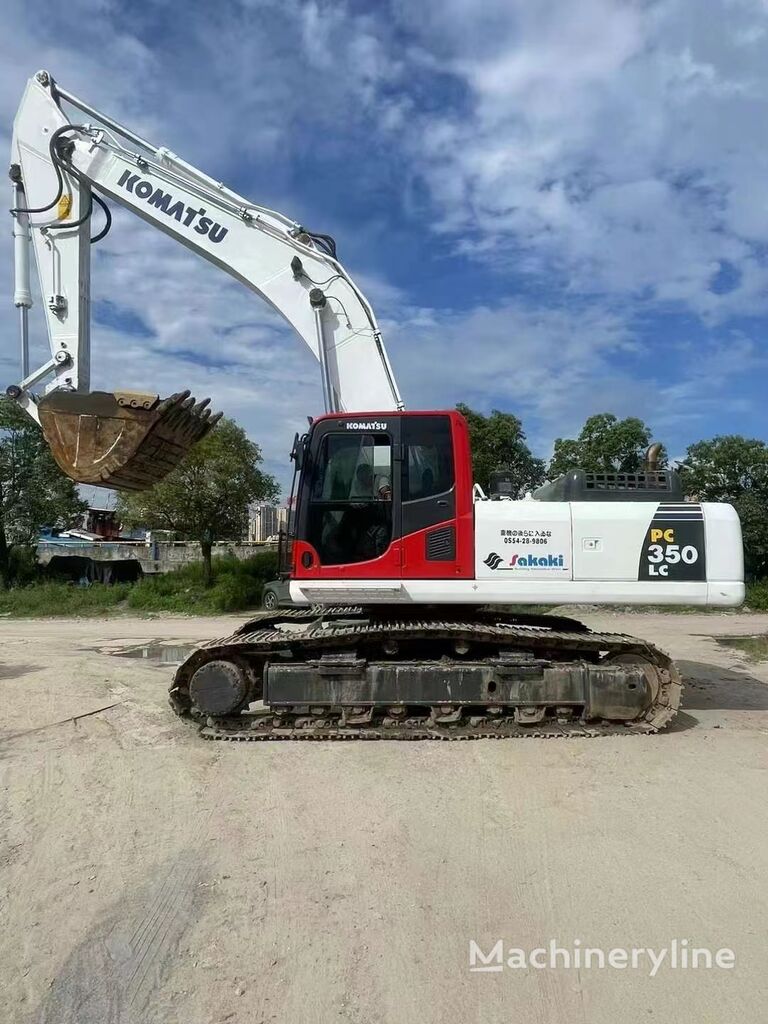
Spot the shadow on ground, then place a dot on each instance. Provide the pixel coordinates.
(711, 687)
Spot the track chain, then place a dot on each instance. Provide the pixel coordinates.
(333, 629)
(239, 731)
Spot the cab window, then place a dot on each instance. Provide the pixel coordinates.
(428, 468)
(350, 506)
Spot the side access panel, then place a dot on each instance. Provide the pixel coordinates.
(521, 541)
(643, 541)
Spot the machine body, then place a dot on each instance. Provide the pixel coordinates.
(407, 577)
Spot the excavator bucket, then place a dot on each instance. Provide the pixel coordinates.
(126, 440)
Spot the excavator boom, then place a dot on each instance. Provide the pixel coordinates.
(59, 170)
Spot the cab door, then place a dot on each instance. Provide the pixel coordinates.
(434, 534)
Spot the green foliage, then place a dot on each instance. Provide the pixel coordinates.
(726, 467)
(24, 567)
(735, 469)
(237, 586)
(606, 444)
(33, 490)
(752, 508)
(232, 593)
(498, 442)
(206, 497)
(62, 599)
(757, 596)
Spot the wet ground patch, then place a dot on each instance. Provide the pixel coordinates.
(14, 671)
(156, 652)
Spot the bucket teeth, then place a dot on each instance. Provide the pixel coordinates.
(104, 440)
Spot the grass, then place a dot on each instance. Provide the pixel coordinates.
(754, 647)
(757, 596)
(62, 599)
(237, 586)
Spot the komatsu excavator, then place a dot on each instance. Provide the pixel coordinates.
(405, 573)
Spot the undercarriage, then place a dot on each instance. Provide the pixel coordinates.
(433, 673)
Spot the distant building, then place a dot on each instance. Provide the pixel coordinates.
(264, 522)
(102, 522)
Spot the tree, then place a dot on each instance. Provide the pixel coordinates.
(734, 469)
(725, 468)
(206, 497)
(33, 490)
(752, 508)
(606, 444)
(498, 442)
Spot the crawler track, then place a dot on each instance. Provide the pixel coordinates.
(305, 636)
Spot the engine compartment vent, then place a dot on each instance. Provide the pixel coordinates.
(646, 485)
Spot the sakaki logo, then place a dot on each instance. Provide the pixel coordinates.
(372, 425)
(495, 562)
(537, 561)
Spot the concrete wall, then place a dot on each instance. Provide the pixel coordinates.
(153, 558)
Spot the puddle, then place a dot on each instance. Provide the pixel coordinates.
(157, 652)
(755, 647)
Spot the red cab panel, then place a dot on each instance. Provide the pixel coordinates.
(386, 496)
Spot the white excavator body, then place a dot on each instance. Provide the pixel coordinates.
(387, 518)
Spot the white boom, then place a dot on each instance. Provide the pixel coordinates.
(56, 164)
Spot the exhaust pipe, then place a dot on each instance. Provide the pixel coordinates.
(651, 463)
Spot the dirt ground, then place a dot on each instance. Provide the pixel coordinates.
(149, 877)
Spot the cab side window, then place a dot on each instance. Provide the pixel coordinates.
(428, 475)
(428, 466)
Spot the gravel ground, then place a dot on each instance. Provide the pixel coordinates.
(148, 877)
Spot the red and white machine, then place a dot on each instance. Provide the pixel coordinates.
(387, 518)
(429, 536)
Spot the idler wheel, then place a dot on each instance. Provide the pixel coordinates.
(219, 688)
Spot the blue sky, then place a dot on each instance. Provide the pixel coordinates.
(555, 208)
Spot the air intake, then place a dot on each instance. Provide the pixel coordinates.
(647, 485)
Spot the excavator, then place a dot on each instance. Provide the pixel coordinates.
(409, 581)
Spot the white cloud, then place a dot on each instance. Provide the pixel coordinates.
(605, 158)
(620, 145)
(555, 367)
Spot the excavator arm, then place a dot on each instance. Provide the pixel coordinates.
(59, 170)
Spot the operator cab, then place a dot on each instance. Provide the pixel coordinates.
(382, 491)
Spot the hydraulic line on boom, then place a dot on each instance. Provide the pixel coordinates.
(129, 440)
